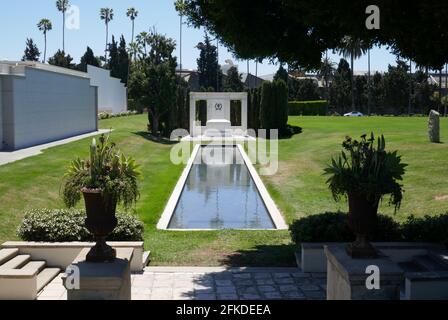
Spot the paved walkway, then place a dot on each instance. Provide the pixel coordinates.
(9, 157)
(177, 283)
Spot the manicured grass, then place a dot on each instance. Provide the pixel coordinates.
(299, 188)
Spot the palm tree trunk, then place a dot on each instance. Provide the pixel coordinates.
(369, 88)
(352, 61)
(45, 50)
(180, 44)
(63, 31)
(107, 38)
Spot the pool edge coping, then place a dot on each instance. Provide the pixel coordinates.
(271, 207)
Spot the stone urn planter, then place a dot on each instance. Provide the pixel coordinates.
(362, 220)
(100, 221)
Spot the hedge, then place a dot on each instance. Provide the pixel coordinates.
(46, 225)
(332, 227)
(308, 108)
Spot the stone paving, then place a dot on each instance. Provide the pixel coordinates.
(157, 283)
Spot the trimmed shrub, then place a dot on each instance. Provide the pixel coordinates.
(426, 229)
(47, 225)
(107, 115)
(332, 227)
(274, 106)
(308, 108)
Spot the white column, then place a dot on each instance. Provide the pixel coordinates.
(192, 115)
(244, 113)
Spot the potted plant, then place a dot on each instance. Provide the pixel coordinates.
(364, 173)
(106, 179)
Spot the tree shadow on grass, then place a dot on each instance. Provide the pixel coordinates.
(262, 256)
(152, 138)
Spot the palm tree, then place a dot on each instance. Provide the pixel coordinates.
(106, 14)
(326, 71)
(62, 6)
(142, 40)
(180, 7)
(134, 48)
(354, 49)
(132, 14)
(45, 25)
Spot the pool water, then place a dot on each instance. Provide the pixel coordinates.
(220, 194)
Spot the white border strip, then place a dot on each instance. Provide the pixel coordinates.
(272, 209)
(174, 199)
(276, 216)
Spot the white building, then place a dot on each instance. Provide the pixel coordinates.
(112, 96)
(42, 103)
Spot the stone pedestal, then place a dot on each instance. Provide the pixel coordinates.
(346, 277)
(101, 281)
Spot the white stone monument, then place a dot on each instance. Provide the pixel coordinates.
(218, 115)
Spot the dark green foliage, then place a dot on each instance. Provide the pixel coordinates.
(233, 83)
(253, 106)
(308, 108)
(426, 229)
(210, 74)
(153, 82)
(366, 168)
(281, 74)
(274, 106)
(340, 88)
(118, 60)
(88, 59)
(32, 52)
(300, 31)
(235, 113)
(303, 90)
(396, 88)
(68, 225)
(61, 60)
(333, 227)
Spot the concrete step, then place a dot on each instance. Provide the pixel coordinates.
(16, 263)
(37, 266)
(7, 254)
(46, 276)
(428, 263)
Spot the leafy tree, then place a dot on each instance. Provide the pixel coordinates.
(354, 49)
(281, 74)
(62, 6)
(113, 63)
(233, 83)
(340, 89)
(210, 74)
(32, 52)
(299, 31)
(61, 60)
(88, 59)
(274, 106)
(106, 14)
(142, 41)
(153, 82)
(118, 60)
(306, 90)
(396, 88)
(123, 61)
(45, 25)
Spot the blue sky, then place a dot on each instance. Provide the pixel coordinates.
(18, 19)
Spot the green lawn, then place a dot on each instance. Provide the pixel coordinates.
(299, 188)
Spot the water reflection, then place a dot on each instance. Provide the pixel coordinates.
(220, 194)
